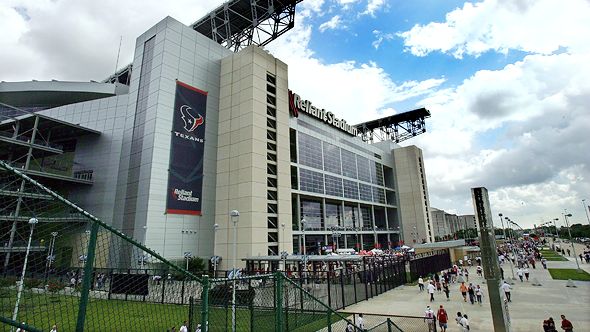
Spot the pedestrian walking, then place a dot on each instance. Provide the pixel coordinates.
(471, 291)
(459, 317)
(53, 328)
(464, 323)
(544, 263)
(568, 252)
(549, 325)
(502, 273)
(431, 290)
(443, 318)
(446, 290)
(183, 327)
(429, 318)
(566, 325)
(420, 283)
(520, 274)
(463, 290)
(506, 288)
(479, 271)
(478, 294)
(526, 274)
(360, 322)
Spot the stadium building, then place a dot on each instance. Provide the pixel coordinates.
(197, 127)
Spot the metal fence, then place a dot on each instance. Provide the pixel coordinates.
(392, 323)
(428, 264)
(62, 266)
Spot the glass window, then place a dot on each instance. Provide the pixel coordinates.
(366, 193)
(351, 216)
(311, 211)
(351, 189)
(333, 215)
(378, 195)
(366, 217)
(363, 168)
(311, 181)
(333, 185)
(348, 163)
(331, 158)
(376, 173)
(310, 151)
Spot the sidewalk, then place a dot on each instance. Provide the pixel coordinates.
(529, 307)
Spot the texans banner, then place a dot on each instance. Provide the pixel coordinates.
(185, 174)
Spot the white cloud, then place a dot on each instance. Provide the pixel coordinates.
(373, 6)
(537, 112)
(380, 38)
(78, 40)
(351, 90)
(533, 26)
(333, 24)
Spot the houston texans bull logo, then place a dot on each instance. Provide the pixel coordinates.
(191, 122)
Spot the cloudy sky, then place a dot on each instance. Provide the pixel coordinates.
(506, 80)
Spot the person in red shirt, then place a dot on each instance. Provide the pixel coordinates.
(566, 325)
(443, 318)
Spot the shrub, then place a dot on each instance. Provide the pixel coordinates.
(55, 286)
(33, 283)
(8, 281)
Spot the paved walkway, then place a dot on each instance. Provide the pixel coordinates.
(529, 307)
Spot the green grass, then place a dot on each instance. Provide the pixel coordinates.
(551, 255)
(44, 310)
(565, 274)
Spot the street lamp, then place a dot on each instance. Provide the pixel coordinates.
(375, 234)
(303, 223)
(215, 259)
(50, 256)
(284, 252)
(555, 224)
(513, 245)
(33, 221)
(187, 257)
(335, 238)
(503, 230)
(565, 216)
(235, 217)
(586, 207)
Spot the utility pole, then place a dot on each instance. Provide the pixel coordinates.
(489, 258)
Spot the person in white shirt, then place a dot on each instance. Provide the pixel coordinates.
(420, 284)
(53, 328)
(520, 274)
(359, 322)
(431, 289)
(506, 288)
(429, 318)
(183, 327)
(464, 323)
(526, 273)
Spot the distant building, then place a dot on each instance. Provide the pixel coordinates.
(414, 204)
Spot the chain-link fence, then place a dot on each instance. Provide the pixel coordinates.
(392, 323)
(63, 267)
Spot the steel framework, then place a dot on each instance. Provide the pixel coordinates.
(239, 23)
(398, 127)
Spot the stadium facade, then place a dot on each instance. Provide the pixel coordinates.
(196, 130)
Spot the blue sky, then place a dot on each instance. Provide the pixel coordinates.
(506, 81)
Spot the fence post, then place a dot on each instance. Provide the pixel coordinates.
(86, 282)
(205, 304)
(342, 288)
(278, 301)
(389, 325)
(328, 285)
(329, 314)
(191, 313)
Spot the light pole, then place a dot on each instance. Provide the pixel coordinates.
(513, 251)
(586, 207)
(415, 233)
(215, 259)
(565, 216)
(32, 222)
(235, 217)
(50, 256)
(284, 252)
(503, 230)
(187, 257)
(335, 238)
(303, 223)
(555, 224)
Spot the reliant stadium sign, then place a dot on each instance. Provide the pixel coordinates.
(297, 104)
